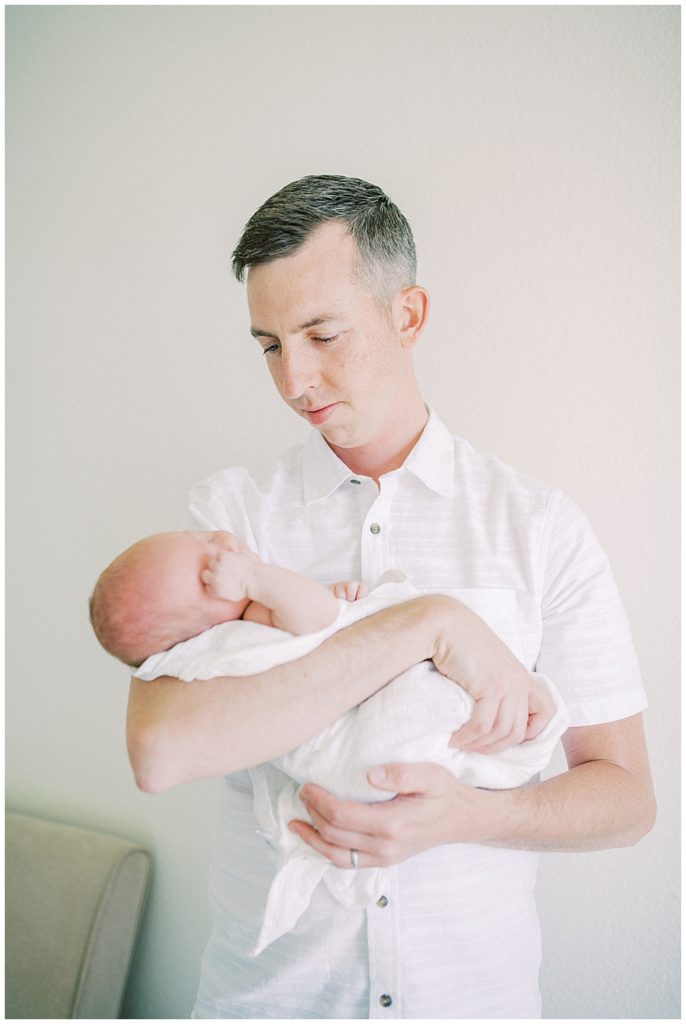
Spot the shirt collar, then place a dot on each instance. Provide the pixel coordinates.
(323, 471)
(431, 460)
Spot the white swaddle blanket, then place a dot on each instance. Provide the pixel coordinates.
(411, 720)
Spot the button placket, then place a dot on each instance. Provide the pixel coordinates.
(382, 930)
(375, 532)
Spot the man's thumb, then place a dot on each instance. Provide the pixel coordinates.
(400, 778)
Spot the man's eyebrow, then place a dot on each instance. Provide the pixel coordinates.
(257, 332)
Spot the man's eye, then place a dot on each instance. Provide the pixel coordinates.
(325, 340)
(269, 349)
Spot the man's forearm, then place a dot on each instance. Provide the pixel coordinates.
(601, 802)
(595, 806)
(180, 731)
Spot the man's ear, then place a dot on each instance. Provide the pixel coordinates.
(412, 312)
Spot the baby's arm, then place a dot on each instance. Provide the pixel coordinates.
(295, 603)
(278, 596)
(289, 600)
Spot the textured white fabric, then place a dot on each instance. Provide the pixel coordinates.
(458, 936)
(409, 720)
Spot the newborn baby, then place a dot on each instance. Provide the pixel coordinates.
(172, 586)
(410, 719)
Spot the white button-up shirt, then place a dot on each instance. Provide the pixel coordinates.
(456, 935)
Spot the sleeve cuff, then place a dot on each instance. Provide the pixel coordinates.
(598, 712)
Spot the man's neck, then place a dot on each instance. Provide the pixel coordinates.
(389, 452)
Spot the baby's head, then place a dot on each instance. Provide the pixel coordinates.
(152, 596)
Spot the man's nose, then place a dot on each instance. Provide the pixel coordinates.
(298, 372)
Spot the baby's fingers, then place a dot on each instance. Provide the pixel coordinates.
(229, 542)
(348, 590)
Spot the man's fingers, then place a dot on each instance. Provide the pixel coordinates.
(338, 855)
(538, 721)
(536, 725)
(347, 822)
(542, 709)
(509, 728)
(334, 836)
(387, 831)
(375, 845)
(349, 815)
(407, 779)
(479, 726)
(504, 722)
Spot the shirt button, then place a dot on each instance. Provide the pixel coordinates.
(385, 1000)
(382, 901)
(375, 528)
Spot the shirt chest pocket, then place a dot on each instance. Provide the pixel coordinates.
(508, 617)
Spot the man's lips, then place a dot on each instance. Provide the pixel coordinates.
(320, 415)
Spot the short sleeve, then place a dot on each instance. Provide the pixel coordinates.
(222, 502)
(586, 644)
(205, 509)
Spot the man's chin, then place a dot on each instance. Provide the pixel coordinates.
(341, 438)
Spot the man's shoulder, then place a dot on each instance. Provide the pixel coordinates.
(483, 472)
(285, 470)
(497, 491)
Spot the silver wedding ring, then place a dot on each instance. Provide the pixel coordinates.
(354, 858)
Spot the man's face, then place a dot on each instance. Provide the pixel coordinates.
(334, 353)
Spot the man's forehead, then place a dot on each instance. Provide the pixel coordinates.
(259, 330)
(299, 304)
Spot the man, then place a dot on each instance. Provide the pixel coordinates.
(381, 484)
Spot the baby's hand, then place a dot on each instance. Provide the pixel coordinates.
(229, 573)
(348, 590)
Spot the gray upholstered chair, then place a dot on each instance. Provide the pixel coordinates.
(74, 900)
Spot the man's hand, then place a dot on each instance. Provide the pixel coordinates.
(505, 714)
(349, 590)
(510, 704)
(431, 808)
(605, 800)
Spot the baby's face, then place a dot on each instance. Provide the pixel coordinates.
(179, 560)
